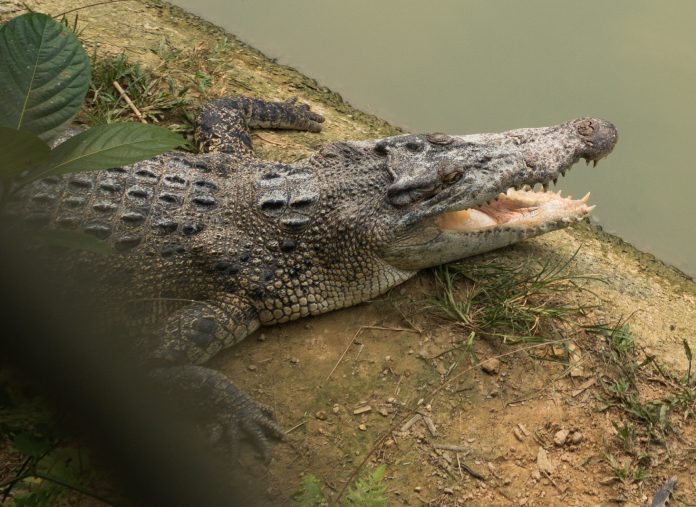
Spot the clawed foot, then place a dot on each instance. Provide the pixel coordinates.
(301, 117)
(229, 414)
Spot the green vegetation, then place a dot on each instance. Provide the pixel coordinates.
(516, 304)
(626, 373)
(44, 77)
(368, 491)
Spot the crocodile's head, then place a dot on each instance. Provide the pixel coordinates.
(448, 197)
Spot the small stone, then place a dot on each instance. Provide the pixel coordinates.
(383, 411)
(417, 489)
(336, 408)
(536, 475)
(362, 410)
(261, 337)
(294, 360)
(410, 351)
(362, 427)
(518, 434)
(448, 491)
(387, 358)
(560, 437)
(321, 415)
(576, 438)
(544, 463)
(251, 367)
(491, 366)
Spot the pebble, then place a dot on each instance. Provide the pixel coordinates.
(560, 437)
(294, 360)
(336, 408)
(261, 337)
(417, 489)
(251, 367)
(576, 438)
(362, 427)
(491, 366)
(321, 415)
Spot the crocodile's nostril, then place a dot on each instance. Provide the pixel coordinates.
(600, 137)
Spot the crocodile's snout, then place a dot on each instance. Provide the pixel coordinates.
(599, 136)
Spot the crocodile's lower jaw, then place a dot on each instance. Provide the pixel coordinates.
(516, 209)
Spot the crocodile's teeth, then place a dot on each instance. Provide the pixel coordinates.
(594, 163)
(555, 181)
(587, 161)
(545, 186)
(586, 198)
(563, 171)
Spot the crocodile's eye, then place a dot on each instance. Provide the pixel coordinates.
(439, 138)
(449, 173)
(381, 148)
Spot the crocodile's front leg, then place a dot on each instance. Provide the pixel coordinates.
(188, 339)
(223, 124)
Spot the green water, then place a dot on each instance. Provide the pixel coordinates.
(473, 66)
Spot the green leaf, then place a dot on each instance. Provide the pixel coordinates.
(31, 445)
(44, 75)
(108, 146)
(21, 151)
(310, 494)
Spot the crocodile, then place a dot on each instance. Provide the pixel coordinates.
(208, 247)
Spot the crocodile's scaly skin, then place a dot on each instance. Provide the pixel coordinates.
(209, 247)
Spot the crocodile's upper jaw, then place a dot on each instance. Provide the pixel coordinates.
(496, 206)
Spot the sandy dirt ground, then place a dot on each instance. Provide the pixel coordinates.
(526, 430)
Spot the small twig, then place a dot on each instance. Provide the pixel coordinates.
(125, 97)
(430, 425)
(396, 389)
(362, 346)
(451, 447)
(413, 420)
(459, 466)
(344, 353)
(472, 472)
(287, 432)
(18, 477)
(266, 140)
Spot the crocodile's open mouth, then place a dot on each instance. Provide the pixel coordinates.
(523, 209)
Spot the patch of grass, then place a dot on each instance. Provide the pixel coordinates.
(516, 304)
(631, 469)
(368, 491)
(169, 93)
(155, 96)
(645, 395)
(626, 372)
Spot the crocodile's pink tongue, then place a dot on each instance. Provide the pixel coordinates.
(517, 208)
